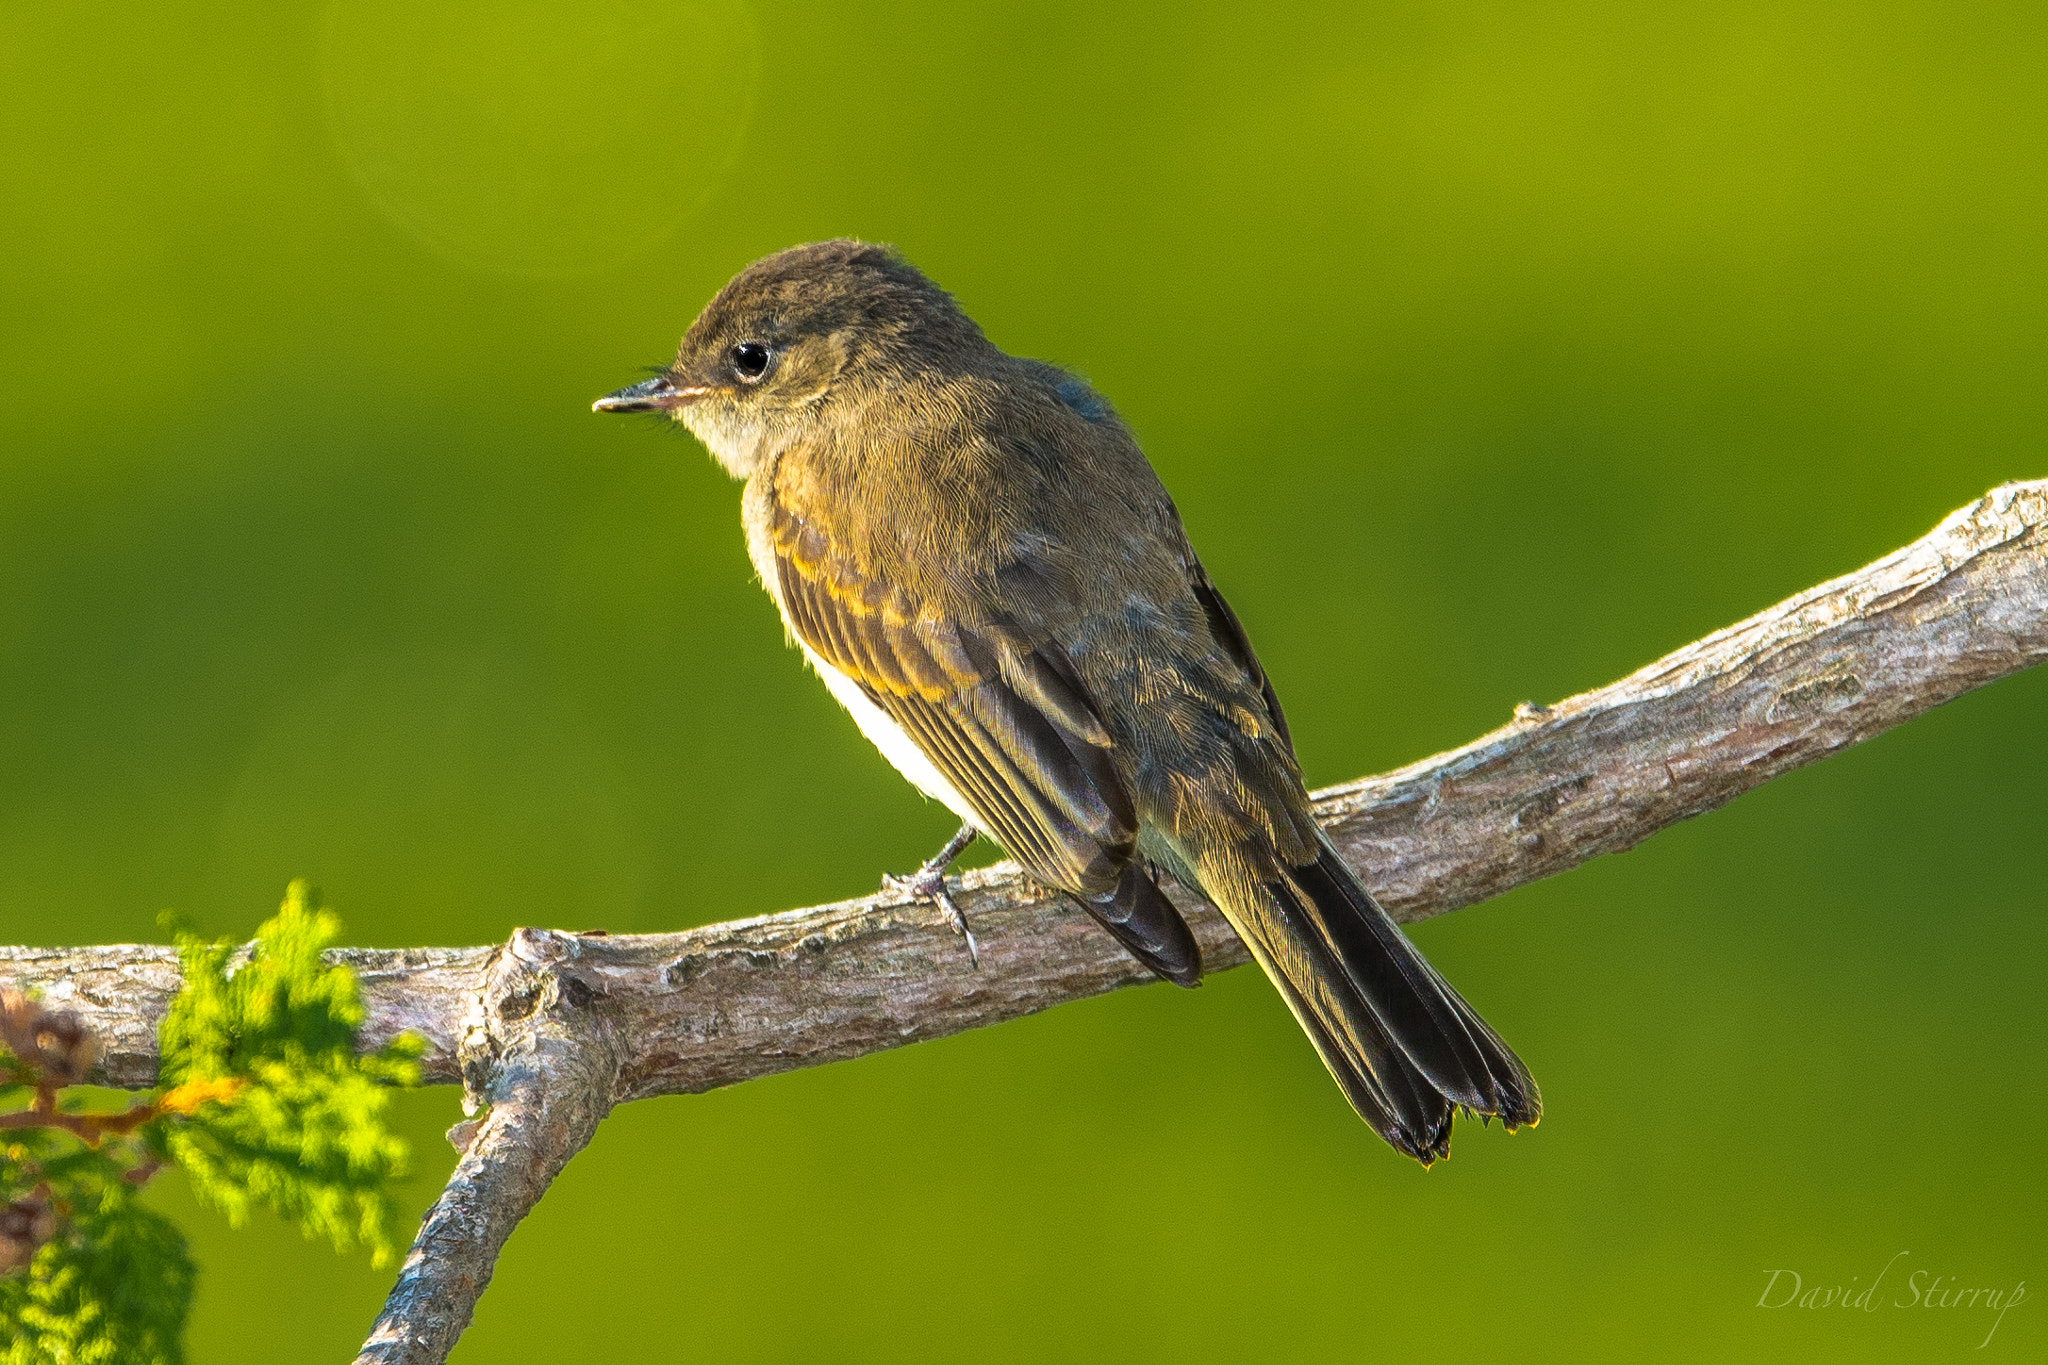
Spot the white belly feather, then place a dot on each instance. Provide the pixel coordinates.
(885, 734)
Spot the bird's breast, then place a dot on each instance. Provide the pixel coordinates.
(882, 731)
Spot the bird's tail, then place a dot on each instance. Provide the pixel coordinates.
(1406, 1048)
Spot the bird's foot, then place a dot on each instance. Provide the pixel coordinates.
(928, 883)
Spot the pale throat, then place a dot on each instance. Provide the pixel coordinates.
(735, 444)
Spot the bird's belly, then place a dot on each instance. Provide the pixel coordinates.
(885, 734)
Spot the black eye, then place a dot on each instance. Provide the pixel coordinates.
(750, 360)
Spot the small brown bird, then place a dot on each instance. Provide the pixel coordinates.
(978, 560)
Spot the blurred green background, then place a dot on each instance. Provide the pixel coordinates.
(1490, 350)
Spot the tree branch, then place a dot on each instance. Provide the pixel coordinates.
(553, 1028)
(548, 1067)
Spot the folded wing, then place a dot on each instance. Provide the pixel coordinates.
(1004, 719)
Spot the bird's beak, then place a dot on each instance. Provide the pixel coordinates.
(658, 394)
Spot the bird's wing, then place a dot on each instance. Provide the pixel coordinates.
(1006, 721)
(1228, 632)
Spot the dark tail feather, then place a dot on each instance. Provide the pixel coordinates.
(1390, 1095)
(1404, 1046)
(1146, 923)
(1439, 1033)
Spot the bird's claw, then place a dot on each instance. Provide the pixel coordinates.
(928, 883)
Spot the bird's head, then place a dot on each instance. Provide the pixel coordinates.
(796, 332)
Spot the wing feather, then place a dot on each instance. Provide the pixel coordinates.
(1007, 722)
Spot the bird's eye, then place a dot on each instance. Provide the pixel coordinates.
(749, 361)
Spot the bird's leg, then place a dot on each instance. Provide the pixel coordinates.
(928, 883)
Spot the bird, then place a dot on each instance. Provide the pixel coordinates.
(976, 557)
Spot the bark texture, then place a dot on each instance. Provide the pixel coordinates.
(539, 1050)
(551, 1029)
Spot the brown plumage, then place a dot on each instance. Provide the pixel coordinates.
(980, 562)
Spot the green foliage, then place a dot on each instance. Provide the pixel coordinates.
(263, 1102)
(286, 1115)
(113, 1289)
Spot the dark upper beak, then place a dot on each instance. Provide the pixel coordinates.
(658, 394)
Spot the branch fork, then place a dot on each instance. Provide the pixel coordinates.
(539, 1055)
